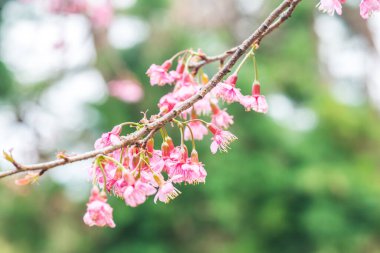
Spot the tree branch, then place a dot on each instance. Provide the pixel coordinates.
(273, 21)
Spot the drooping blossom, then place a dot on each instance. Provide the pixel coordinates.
(221, 118)
(203, 107)
(166, 190)
(99, 212)
(110, 138)
(199, 175)
(221, 139)
(186, 80)
(126, 90)
(177, 74)
(197, 128)
(367, 7)
(181, 168)
(159, 74)
(227, 90)
(185, 91)
(256, 102)
(137, 193)
(331, 6)
(167, 103)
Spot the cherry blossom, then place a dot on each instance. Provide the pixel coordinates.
(197, 128)
(331, 6)
(137, 194)
(128, 91)
(256, 102)
(221, 118)
(110, 138)
(221, 139)
(367, 7)
(99, 212)
(166, 192)
(227, 91)
(159, 74)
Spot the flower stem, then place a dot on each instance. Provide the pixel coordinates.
(192, 136)
(103, 173)
(114, 160)
(193, 120)
(255, 66)
(242, 62)
(130, 124)
(182, 137)
(178, 54)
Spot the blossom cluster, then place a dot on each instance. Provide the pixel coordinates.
(136, 172)
(367, 7)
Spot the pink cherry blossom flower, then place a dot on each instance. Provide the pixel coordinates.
(110, 138)
(167, 103)
(159, 74)
(180, 168)
(198, 130)
(198, 173)
(367, 7)
(126, 90)
(167, 147)
(136, 195)
(166, 192)
(99, 212)
(221, 139)
(221, 118)
(255, 102)
(331, 6)
(227, 91)
(188, 172)
(185, 92)
(203, 107)
(177, 74)
(186, 80)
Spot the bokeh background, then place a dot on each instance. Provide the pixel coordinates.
(303, 178)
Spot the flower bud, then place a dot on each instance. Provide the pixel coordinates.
(29, 178)
(214, 108)
(232, 80)
(165, 149)
(256, 89)
(194, 156)
(167, 65)
(213, 129)
(150, 145)
(169, 140)
(204, 78)
(135, 161)
(159, 180)
(180, 67)
(184, 153)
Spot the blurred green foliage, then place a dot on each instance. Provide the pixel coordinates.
(277, 190)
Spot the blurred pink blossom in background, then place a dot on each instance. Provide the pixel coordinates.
(128, 91)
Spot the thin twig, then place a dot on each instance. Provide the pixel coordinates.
(222, 57)
(274, 20)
